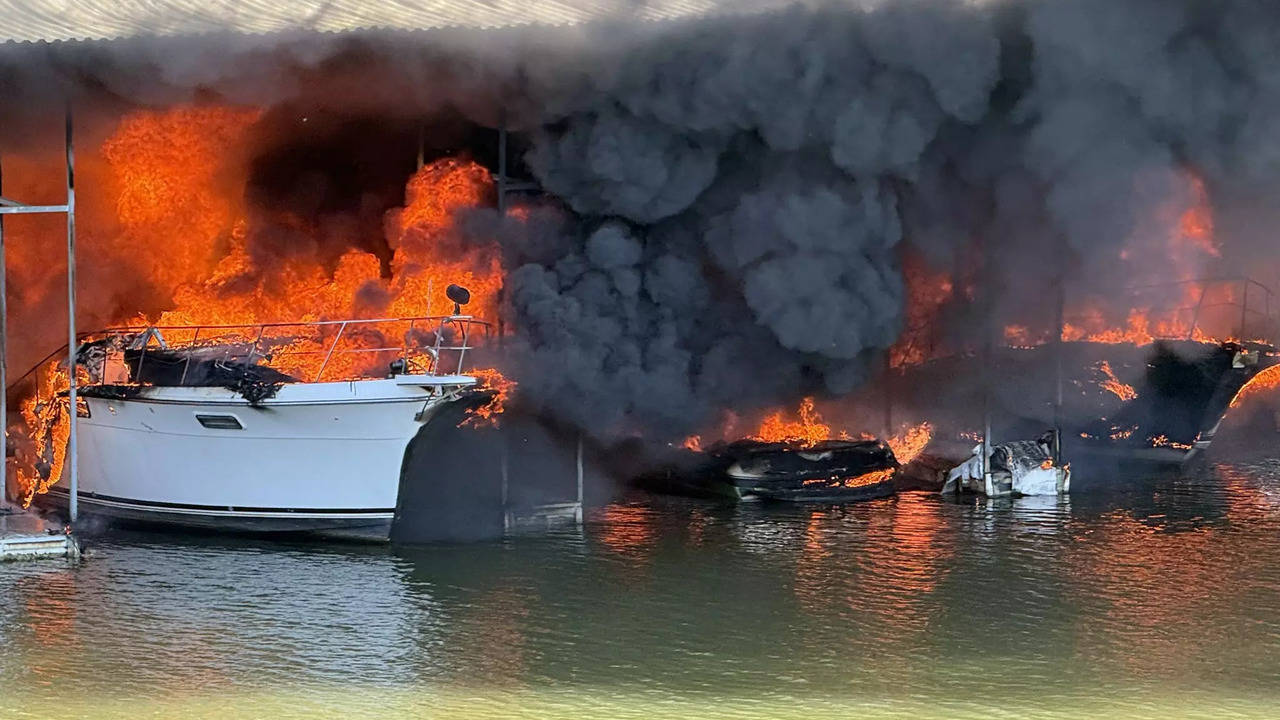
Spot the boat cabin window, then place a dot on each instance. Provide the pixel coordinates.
(220, 422)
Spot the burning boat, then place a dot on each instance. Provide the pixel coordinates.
(751, 469)
(845, 470)
(1016, 468)
(216, 427)
(1176, 410)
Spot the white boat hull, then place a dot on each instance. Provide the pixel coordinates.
(317, 457)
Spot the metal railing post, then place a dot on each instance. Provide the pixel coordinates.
(333, 346)
(187, 366)
(253, 350)
(1195, 315)
(462, 351)
(404, 350)
(435, 355)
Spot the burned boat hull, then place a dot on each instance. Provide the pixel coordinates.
(747, 470)
(797, 491)
(317, 457)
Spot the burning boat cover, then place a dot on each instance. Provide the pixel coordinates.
(1025, 466)
(213, 366)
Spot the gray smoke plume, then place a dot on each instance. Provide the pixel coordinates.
(731, 197)
(744, 204)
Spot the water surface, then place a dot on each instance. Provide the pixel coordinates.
(1157, 600)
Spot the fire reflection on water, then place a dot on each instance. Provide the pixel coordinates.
(48, 601)
(890, 590)
(1161, 579)
(905, 603)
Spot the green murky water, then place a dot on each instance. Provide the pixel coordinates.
(1158, 600)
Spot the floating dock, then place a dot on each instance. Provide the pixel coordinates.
(24, 536)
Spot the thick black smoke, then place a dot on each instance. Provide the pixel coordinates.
(737, 186)
(730, 197)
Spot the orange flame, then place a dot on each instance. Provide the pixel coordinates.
(1113, 385)
(1164, 441)
(908, 445)
(46, 415)
(927, 292)
(1188, 246)
(869, 478)
(487, 414)
(177, 221)
(426, 259)
(1264, 381)
(1196, 224)
(872, 478)
(806, 430)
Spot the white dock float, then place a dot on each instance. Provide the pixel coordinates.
(36, 546)
(27, 536)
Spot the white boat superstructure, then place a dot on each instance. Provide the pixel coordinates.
(278, 427)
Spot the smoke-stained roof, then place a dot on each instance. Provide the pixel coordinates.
(57, 20)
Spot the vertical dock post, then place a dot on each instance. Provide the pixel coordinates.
(1059, 326)
(502, 167)
(4, 354)
(888, 397)
(422, 144)
(577, 515)
(503, 465)
(9, 207)
(987, 306)
(502, 214)
(73, 408)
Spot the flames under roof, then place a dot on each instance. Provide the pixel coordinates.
(59, 20)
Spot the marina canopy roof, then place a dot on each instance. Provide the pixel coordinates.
(63, 20)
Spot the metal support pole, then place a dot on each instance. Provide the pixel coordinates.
(4, 349)
(1266, 308)
(888, 398)
(986, 366)
(502, 167)
(577, 513)
(502, 213)
(504, 464)
(1059, 325)
(1195, 315)
(1244, 309)
(422, 145)
(73, 410)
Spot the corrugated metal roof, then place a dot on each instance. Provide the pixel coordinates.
(55, 20)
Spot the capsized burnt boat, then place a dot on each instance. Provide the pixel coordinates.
(829, 471)
(288, 427)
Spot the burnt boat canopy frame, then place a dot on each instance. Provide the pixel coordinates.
(14, 207)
